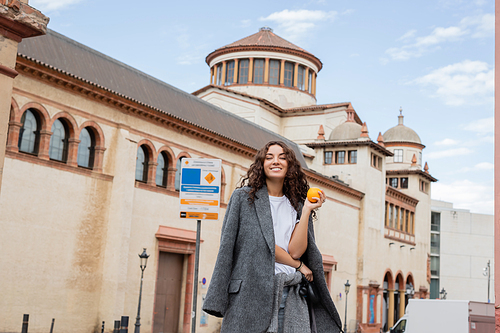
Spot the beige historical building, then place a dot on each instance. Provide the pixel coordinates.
(91, 152)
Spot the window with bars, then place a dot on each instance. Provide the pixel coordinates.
(393, 182)
(274, 72)
(288, 74)
(258, 71)
(243, 71)
(398, 155)
(353, 156)
(339, 157)
(328, 157)
(229, 73)
(301, 77)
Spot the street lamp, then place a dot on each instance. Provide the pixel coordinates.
(347, 287)
(443, 293)
(487, 273)
(144, 260)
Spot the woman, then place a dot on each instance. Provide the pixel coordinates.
(268, 231)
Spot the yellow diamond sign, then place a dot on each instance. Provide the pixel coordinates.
(209, 178)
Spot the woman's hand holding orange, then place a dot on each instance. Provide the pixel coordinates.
(315, 199)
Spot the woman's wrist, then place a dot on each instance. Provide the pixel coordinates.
(300, 266)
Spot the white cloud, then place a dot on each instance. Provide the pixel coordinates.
(466, 194)
(408, 35)
(483, 25)
(347, 11)
(49, 5)
(481, 126)
(466, 82)
(446, 142)
(484, 166)
(297, 24)
(448, 153)
(480, 26)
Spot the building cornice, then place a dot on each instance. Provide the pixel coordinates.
(19, 20)
(333, 184)
(412, 172)
(279, 49)
(398, 195)
(404, 144)
(370, 143)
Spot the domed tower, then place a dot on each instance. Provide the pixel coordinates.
(405, 144)
(267, 66)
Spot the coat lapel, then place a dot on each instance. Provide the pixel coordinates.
(263, 209)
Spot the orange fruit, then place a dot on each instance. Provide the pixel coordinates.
(313, 192)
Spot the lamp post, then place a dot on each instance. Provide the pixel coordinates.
(487, 273)
(144, 260)
(443, 293)
(347, 287)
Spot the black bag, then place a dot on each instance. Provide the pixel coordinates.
(308, 290)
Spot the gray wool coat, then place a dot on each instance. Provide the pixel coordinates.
(241, 288)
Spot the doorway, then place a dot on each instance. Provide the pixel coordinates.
(168, 293)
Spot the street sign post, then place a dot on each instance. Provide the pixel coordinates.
(200, 188)
(199, 198)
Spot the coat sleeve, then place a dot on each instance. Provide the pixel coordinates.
(216, 301)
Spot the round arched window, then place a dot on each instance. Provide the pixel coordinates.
(162, 170)
(141, 164)
(86, 148)
(58, 149)
(29, 133)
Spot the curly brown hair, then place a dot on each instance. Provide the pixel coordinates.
(295, 185)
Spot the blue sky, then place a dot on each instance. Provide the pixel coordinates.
(432, 58)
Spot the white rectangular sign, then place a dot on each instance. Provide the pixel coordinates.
(200, 188)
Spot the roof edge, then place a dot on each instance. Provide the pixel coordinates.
(224, 50)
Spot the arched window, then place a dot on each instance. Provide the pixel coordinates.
(162, 170)
(141, 164)
(58, 149)
(29, 134)
(178, 174)
(86, 149)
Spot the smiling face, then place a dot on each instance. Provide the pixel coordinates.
(275, 163)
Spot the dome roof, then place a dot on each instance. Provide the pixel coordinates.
(346, 131)
(265, 39)
(401, 133)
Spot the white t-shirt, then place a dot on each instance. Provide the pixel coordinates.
(284, 220)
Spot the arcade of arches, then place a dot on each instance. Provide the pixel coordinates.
(381, 306)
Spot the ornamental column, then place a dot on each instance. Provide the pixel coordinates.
(235, 76)
(266, 71)
(390, 315)
(223, 78)
(401, 303)
(282, 73)
(73, 152)
(295, 74)
(18, 20)
(306, 80)
(250, 70)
